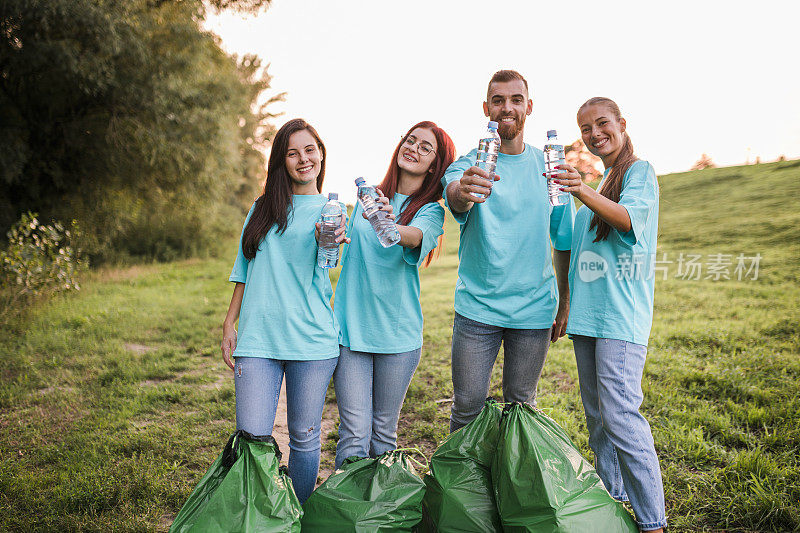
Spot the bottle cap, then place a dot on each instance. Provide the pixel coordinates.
(551, 133)
(360, 182)
(333, 196)
(492, 125)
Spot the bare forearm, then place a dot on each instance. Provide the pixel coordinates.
(235, 306)
(561, 264)
(613, 213)
(410, 237)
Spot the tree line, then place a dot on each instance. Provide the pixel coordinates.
(130, 119)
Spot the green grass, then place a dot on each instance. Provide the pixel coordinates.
(114, 400)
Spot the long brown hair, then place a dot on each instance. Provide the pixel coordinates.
(431, 188)
(273, 207)
(612, 186)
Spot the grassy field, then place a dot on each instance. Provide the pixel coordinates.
(114, 401)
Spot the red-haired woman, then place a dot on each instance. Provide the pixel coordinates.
(377, 296)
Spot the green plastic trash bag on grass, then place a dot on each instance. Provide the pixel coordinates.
(459, 495)
(367, 495)
(542, 482)
(245, 490)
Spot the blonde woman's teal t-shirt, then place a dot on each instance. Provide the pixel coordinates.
(286, 311)
(612, 282)
(505, 271)
(377, 295)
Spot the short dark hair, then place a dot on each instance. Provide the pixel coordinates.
(503, 76)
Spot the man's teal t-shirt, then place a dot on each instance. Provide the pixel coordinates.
(612, 282)
(286, 311)
(505, 271)
(377, 295)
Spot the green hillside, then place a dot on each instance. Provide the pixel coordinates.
(116, 400)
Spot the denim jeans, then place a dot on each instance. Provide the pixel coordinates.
(610, 373)
(474, 351)
(370, 388)
(258, 385)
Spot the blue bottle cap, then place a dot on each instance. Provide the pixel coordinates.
(492, 125)
(551, 133)
(360, 182)
(333, 196)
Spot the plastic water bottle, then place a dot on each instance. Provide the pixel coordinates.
(328, 249)
(554, 155)
(488, 148)
(385, 228)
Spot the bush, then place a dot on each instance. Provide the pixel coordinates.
(39, 259)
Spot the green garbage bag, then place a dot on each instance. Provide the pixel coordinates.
(367, 495)
(459, 495)
(542, 482)
(244, 490)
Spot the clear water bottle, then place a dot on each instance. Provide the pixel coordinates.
(488, 148)
(384, 227)
(554, 155)
(328, 249)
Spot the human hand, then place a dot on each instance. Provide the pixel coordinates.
(475, 181)
(385, 205)
(570, 181)
(228, 343)
(341, 232)
(560, 323)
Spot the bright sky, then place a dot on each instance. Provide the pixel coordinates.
(691, 77)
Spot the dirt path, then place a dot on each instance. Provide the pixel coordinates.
(280, 431)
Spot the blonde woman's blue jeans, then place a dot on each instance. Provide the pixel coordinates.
(610, 373)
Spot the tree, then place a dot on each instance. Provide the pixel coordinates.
(129, 118)
(702, 163)
(583, 160)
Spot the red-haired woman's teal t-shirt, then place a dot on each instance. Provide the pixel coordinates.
(377, 295)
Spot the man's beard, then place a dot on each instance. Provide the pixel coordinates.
(510, 131)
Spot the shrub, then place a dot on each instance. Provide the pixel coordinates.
(39, 259)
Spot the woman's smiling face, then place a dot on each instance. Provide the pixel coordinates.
(601, 131)
(410, 157)
(303, 158)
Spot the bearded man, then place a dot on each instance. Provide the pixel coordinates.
(507, 291)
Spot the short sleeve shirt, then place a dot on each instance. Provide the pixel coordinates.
(377, 295)
(505, 272)
(612, 282)
(286, 312)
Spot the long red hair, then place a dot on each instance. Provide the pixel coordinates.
(431, 188)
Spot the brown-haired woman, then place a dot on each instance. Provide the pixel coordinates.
(282, 300)
(611, 280)
(377, 295)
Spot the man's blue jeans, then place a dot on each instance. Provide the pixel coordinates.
(610, 373)
(474, 351)
(258, 385)
(370, 388)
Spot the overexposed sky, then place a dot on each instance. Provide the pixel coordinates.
(691, 77)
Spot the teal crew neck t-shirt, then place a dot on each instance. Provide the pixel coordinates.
(612, 282)
(377, 295)
(505, 271)
(286, 312)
